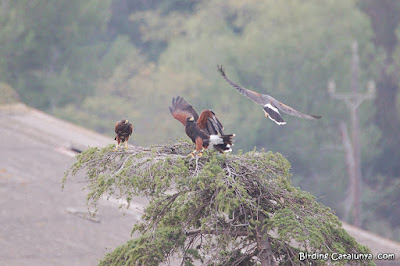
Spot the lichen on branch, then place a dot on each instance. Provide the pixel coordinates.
(220, 209)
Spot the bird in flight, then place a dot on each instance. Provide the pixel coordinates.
(271, 106)
(203, 130)
(123, 129)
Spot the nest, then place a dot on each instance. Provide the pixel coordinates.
(216, 209)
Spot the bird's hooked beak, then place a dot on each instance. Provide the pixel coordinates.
(126, 121)
(191, 118)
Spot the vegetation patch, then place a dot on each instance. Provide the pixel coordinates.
(218, 209)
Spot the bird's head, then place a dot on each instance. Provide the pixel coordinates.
(190, 119)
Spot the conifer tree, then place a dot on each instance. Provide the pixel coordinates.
(217, 210)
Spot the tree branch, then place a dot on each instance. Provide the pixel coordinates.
(217, 232)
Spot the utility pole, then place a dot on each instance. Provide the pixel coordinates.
(352, 148)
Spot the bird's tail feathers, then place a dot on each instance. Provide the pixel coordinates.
(273, 113)
(222, 143)
(228, 139)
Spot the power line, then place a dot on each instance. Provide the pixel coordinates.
(353, 100)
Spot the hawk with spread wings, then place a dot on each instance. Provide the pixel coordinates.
(269, 103)
(203, 130)
(123, 129)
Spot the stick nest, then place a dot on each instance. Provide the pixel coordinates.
(213, 209)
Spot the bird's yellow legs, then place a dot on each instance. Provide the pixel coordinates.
(199, 153)
(116, 147)
(126, 146)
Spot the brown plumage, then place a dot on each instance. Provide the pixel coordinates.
(123, 129)
(203, 130)
(269, 103)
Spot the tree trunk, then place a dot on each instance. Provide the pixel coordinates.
(265, 254)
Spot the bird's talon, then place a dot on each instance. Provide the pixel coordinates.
(192, 154)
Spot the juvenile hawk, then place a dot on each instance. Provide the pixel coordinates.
(123, 129)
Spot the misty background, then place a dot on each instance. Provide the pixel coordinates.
(98, 61)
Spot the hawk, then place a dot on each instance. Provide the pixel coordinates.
(203, 130)
(123, 129)
(269, 103)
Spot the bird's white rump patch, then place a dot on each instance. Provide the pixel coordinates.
(272, 108)
(273, 113)
(215, 140)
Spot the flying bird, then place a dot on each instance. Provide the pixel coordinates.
(271, 106)
(203, 130)
(123, 129)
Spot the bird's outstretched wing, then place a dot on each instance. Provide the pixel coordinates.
(289, 110)
(210, 123)
(268, 102)
(181, 109)
(252, 95)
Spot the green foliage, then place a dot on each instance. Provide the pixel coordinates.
(161, 243)
(282, 49)
(98, 61)
(110, 108)
(7, 94)
(211, 209)
(47, 48)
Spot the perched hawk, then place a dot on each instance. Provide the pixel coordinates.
(269, 103)
(204, 131)
(123, 129)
